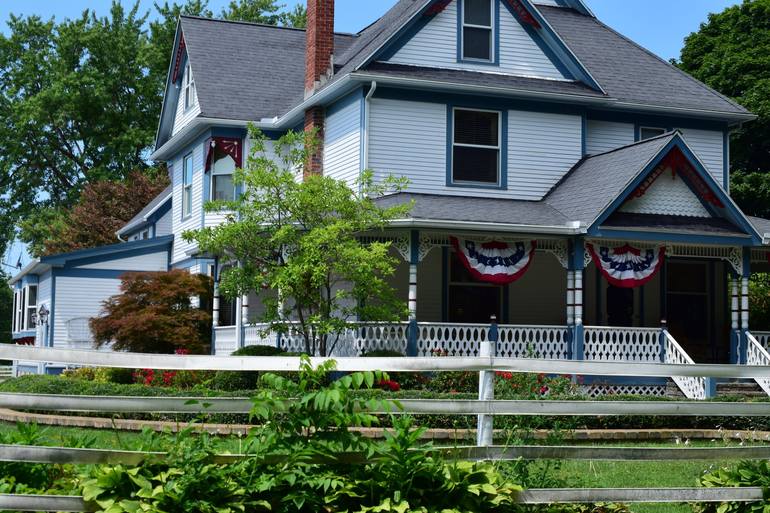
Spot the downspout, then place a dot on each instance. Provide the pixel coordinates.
(367, 110)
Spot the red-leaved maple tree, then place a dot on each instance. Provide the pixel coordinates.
(155, 313)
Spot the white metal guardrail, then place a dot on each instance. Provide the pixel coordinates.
(756, 354)
(432, 364)
(119, 404)
(685, 370)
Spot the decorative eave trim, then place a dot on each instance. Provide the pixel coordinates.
(178, 59)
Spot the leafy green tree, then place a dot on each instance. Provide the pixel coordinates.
(6, 309)
(102, 209)
(80, 101)
(301, 238)
(265, 11)
(752, 192)
(730, 53)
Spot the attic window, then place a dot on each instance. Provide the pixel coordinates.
(190, 98)
(477, 30)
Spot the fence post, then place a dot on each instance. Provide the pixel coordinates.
(662, 337)
(487, 349)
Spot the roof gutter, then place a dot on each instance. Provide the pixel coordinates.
(364, 76)
(568, 229)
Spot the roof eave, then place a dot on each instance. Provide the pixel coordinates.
(446, 224)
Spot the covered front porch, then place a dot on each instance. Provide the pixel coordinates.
(693, 309)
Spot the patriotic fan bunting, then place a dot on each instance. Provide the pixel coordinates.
(495, 262)
(626, 266)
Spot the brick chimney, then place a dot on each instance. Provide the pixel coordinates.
(318, 68)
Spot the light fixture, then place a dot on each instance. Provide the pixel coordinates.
(42, 314)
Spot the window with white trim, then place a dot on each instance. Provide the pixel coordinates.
(187, 179)
(190, 98)
(648, 132)
(24, 308)
(222, 185)
(478, 30)
(476, 143)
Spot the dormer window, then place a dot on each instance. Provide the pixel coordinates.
(190, 97)
(477, 30)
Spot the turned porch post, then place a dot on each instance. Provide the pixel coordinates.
(575, 297)
(414, 259)
(735, 318)
(215, 298)
(746, 275)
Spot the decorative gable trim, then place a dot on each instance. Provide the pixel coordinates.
(520, 11)
(179, 59)
(677, 155)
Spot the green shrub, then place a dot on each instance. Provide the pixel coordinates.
(231, 381)
(121, 376)
(743, 474)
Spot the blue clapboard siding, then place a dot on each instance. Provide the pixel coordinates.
(44, 290)
(152, 262)
(163, 226)
(182, 117)
(602, 136)
(342, 145)
(542, 148)
(78, 298)
(410, 139)
(435, 45)
(708, 145)
(194, 221)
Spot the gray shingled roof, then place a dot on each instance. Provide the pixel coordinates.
(761, 225)
(596, 181)
(138, 219)
(247, 71)
(670, 223)
(480, 210)
(627, 71)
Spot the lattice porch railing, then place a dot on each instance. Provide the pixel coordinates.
(756, 354)
(610, 344)
(692, 387)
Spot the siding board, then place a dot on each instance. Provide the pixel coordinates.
(151, 262)
(181, 116)
(78, 298)
(603, 136)
(435, 45)
(194, 221)
(342, 146)
(708, 145)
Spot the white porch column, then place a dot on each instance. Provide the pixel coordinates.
(245, 309)
(414, 259)
(735, 318)
(215, 299)
(570, 296)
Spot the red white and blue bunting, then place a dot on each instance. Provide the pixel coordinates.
(495, 262)
(626, 266)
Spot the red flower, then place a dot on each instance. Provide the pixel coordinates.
(543, 390)
(182, 351)
(387, 384)
(168, 378)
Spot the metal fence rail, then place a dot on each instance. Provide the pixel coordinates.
(64, 455)
(532, 497)
(430, 364)
(120, 404)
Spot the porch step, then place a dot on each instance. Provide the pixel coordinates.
(740, 389)
(673, 391)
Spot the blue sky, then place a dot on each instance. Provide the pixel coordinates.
(658, 25)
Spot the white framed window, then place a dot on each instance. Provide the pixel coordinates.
(477, 34)
(222, 185)
(476, 145)
(24, 309)
(648, 132)
(30, 313)
(187, 179)
(188, 86)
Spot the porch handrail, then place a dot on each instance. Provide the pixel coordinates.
(758, 355)
(692, 387)
(763, 337)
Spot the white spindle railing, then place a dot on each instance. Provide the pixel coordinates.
(763, 337)
(756, 354)
(693, 388)
(543, 342)
(608, 344)
(443, 339)
(381, 337)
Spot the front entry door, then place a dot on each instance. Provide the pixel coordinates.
(471, 301)
(687, 308)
